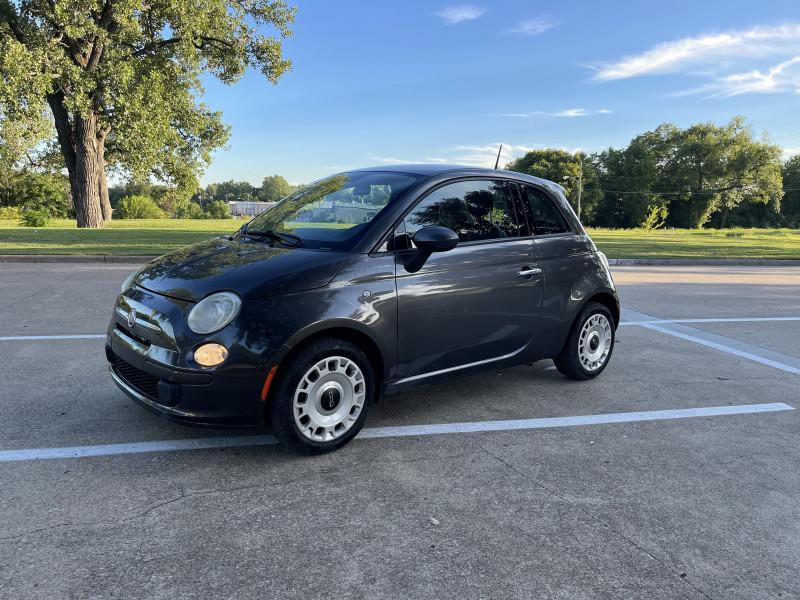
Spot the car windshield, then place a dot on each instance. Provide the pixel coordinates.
(330, 214)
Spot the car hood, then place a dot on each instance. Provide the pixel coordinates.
(251, 268)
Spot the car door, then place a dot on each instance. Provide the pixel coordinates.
(564, 252)
(477, 303)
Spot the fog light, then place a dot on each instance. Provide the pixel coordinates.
(210, 355)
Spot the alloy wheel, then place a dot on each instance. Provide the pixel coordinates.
(594, 342)
(329, 399)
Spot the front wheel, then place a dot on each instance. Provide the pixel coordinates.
(322, 398)
(589, 345)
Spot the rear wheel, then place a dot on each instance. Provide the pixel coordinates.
(322, 398)
(589, 345)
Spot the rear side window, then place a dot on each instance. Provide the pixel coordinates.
(544, 215)
(475, 210)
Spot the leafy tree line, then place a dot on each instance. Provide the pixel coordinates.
(702, 176)
(47, 195)
(148, 201)
(113, 85)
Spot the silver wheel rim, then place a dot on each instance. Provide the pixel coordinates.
(594, 342)
(329, 399)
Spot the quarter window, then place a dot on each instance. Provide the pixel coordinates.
(544, 216)
(475, 210)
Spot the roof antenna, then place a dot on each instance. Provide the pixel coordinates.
(497, 162)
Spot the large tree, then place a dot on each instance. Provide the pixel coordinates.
(632, 177)
(274, 188)
(790, 207)
(714, 169)
(121, 78)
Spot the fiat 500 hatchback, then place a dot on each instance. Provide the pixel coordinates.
(358, 286)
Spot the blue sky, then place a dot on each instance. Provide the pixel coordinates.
(383, 82)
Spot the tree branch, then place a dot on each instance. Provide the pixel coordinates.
(63, 128)
(95, 56)
(153, 46)
(203, 40)
(10, 16)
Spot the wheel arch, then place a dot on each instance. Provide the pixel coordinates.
(608, 300)
(342, 329)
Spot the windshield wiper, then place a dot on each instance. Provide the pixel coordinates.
(287, 238)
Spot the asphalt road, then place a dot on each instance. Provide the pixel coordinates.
(660, 507)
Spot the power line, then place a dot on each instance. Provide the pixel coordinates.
(658, 193)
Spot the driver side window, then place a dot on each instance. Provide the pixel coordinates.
(475, 210)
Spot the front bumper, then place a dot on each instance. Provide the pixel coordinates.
(221, 401)
(150, 363)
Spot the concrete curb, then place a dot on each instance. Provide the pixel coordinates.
(622, 262)
(73, 258)
(714, 262)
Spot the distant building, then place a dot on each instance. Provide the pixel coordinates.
(338, 212)
(245, 208)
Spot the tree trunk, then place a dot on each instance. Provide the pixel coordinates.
(105, 203)
(82, 150)
(723, 217)
(88, 167)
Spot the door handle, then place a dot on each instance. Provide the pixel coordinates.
(528, 271)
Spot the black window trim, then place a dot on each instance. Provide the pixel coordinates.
(515, 199)
(567, 221)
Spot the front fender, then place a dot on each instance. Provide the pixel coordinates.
(371, 318)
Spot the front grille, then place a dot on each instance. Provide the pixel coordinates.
(133, 336)
(142, 382)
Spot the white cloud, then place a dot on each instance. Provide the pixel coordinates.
(568, 113)
(486, 155)
(790, 152)
(783, 77)
(460, 13)
(708, 49)
(513, 115)
(473, 156)
(532, 27)
(392, 160)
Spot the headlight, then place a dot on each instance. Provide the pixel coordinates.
(128, 282)
(213, 312)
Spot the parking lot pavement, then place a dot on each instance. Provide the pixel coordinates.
(700, 507)
(711, 292)
(768, 335)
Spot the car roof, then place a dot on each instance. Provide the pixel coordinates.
(431, 169)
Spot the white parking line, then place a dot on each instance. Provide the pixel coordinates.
(33, 338)
(725, 320)
(392, 432)
(707, 339)
(783, 362)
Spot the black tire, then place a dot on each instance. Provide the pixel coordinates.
(568, 362)
(282, 407)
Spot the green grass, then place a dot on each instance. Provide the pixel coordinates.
(122, 237)
(154, 237)
(705, 243)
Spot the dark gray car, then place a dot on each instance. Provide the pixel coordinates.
(358, 286)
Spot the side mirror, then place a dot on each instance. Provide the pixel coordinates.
(429, 240)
